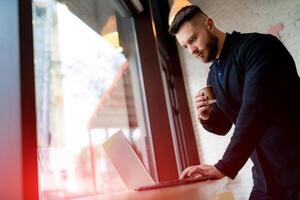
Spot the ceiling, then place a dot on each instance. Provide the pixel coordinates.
(98, 14)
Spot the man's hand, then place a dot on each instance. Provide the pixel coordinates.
(209, 171)
(203, 105)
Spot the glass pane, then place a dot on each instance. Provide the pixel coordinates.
(83, 95)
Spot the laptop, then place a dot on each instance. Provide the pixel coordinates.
(130, 167)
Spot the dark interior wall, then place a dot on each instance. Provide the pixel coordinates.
(156, 102)
(27, 99)
(170, 64)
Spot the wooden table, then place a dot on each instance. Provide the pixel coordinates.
(207, 190)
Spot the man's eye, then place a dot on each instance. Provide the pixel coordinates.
(193, 39)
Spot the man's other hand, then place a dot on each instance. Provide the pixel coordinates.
(209, 171)
(203, 105)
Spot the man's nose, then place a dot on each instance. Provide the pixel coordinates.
(192, 49)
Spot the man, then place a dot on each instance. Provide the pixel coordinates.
(257, 89)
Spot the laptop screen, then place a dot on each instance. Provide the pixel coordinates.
(127, 163)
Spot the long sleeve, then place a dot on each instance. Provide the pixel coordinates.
(218, 123)
(264, 59)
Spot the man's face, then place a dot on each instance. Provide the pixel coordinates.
(198, 40)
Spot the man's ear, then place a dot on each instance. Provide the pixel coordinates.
(210, 23)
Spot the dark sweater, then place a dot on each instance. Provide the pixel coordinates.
(260, 94)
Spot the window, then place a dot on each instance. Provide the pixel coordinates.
(84, 94)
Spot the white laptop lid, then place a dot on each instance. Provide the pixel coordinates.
(127, 163)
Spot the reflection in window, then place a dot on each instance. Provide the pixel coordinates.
(83, 95)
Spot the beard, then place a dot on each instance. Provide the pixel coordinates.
(212, 47)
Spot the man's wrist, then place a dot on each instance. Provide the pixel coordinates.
(203, 121)
(227, 171)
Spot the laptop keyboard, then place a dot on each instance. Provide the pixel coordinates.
(171, 183)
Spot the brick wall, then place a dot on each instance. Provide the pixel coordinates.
(243, 16)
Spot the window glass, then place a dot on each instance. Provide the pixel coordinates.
(83, 95)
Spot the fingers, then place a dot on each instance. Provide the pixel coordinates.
(185, 172)
(203, 170)
(204, 101)
(203, 109)
(199, 93)
(212, 101)
(195, 172)
(203, 105)
(192, 171)
(208, 171)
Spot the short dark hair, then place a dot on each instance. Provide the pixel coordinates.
(184, 14)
